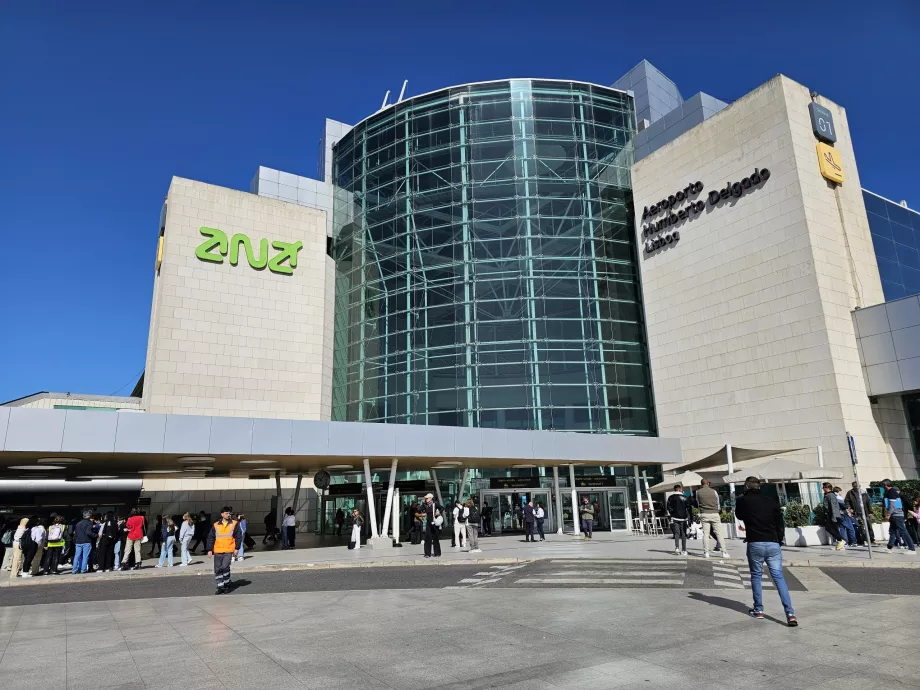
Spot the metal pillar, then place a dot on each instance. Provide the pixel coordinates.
(731, 487)
(575, 522)
(389, 503)
(437, 487)
(558, 500)
(297, 493)
(371, 512)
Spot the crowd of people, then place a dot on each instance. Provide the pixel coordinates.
(106, 542)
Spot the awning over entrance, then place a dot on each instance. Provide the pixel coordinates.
(79, 443)
(719, 459)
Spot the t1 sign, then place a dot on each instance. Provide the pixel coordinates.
(822, 123)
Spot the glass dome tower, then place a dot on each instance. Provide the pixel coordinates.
(486, 263)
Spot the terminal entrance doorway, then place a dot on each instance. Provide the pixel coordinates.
(611, 508)
(505, 509)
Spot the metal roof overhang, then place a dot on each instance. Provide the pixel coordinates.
(126, 444)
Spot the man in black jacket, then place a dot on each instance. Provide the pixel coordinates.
(764, 529)
(429, 511)
(679, 513)
(852, 501)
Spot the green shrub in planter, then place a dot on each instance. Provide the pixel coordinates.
(727, 516)
(876, 514)
(819, 518)
(796, 514)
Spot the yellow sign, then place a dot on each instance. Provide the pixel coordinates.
(830, 163)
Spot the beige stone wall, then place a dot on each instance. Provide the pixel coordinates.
(748, 314)
(232, 340)
(250, 496)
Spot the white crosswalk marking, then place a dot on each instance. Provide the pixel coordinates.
(737, 576)
(598, 581)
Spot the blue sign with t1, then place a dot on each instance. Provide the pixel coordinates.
(852, 449)
(822, 123)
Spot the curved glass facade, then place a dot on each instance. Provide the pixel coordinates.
(486, 265)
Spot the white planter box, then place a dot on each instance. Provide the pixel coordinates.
(881, 531)
(811, 535)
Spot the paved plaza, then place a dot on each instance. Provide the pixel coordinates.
(462, 638)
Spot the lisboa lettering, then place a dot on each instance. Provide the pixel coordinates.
(217, 239)
(659, 233)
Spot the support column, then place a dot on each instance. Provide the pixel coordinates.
(437, 487)
(371, 512)
(731, 487)
(297, 493)
(558, 500)
(575, 522)
(464, 477)
(397, 509)
(279, 511)
(389, 503)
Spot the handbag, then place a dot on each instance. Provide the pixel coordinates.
(144, 539)
(438, 520)
(351, 545)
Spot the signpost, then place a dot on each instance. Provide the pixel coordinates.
(867, 523)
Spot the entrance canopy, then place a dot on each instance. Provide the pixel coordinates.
(71, 444)
(720, 457)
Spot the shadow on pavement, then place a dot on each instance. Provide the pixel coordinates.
(236, 584)
(730, 604)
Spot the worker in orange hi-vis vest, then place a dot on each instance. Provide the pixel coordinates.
(223, 544)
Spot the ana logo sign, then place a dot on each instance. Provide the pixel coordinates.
(218, 239)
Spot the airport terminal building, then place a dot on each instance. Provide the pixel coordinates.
(515, 289)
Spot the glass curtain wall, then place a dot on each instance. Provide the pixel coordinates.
(486, 264)
(896, 239)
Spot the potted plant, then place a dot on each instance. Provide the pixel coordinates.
(727, 518)
(799, 531)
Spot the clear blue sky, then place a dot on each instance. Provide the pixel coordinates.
(101, 103)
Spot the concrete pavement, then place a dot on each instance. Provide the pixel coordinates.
(462, 639)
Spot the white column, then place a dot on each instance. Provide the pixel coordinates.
(558, 500)
(463, 479)
(279, 512)
(297, 493)
(728, 455)
(575, 522)
(437, 487)
(372, 513)
(397, 510)
(389, 503)
(638, 495)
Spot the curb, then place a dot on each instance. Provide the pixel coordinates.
(338, 565)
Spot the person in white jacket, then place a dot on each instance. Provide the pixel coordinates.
(186, 534)
(461, 513)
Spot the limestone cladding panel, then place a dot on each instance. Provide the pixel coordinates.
(51, 403)
(253, 497)
(748, 314)
(232, 340)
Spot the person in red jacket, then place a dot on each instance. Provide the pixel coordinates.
(135, 529)
(223, 544)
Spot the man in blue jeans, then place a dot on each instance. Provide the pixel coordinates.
(83, 542)
(894, 511)
(764, 527)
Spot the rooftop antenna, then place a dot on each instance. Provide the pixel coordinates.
(385, 98)
(402, 91)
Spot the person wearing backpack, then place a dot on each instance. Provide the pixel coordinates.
(55, 544)
(21, 532)
(459, 526)
(473, 516)
(167, 541)
(6, 544)
(679, 512)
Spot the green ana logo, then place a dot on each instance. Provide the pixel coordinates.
(218, 239)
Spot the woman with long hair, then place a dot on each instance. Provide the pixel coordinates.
(168, 535)
(186, 534)
(288, 526)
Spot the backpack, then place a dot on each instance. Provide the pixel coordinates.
(25, 541)
(7, 539)
(475, 516)
(55, 533)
